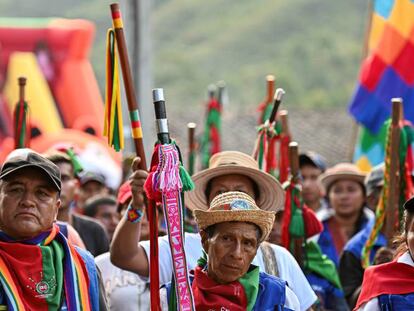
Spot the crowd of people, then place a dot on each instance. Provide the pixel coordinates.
(70, 242)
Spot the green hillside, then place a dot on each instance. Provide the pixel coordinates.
(312, 46)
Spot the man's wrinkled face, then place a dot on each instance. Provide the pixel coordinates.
(232, 182)
(230, 250)
(28, 203)
(311, 189)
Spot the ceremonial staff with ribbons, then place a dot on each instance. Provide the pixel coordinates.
(398, 186)
(113, 130)
(21, 118)
(116, 35)
(265, 106)
(165, 185)
(266, 143)
(211, 141)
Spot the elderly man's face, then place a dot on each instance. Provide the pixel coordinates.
(232, 182)
(28, 203)
(230, 250)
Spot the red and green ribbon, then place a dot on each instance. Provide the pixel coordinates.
(211, 141)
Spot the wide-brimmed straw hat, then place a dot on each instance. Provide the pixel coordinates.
(341, 171)
(271, 194)
(235, 206)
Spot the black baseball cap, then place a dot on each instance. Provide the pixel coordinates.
(22, 158)
(314, 159)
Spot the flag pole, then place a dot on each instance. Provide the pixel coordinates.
(128, 84)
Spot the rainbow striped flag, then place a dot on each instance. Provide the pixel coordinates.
(386, 72)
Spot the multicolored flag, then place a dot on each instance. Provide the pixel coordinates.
(386, 72)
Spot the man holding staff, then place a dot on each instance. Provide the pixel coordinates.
(228, 171)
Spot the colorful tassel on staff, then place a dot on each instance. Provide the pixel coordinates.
(211, 142)
(113, 128)
(21, 125)
(406, 186)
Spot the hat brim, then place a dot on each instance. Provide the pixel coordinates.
(263, 219)
(328, 179)
(271, 197)
(14, 170)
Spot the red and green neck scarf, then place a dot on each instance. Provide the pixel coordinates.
(43, 273)
(235, 296)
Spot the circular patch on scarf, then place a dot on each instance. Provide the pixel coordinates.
(240, 205)
(42, 287)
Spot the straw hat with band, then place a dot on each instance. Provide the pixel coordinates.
(235, 206)
(342, 171)
(271, 194)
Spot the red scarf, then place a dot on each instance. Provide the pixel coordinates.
(211, 296)
(395, 278)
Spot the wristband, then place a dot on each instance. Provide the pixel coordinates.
(134, 215)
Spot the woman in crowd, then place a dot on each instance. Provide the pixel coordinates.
(345, 190)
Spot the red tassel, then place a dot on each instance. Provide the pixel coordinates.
(286, 218)
(312, 224)
(284, 158)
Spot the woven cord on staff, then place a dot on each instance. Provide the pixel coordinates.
(113, 125)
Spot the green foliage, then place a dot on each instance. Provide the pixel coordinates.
(313, 47)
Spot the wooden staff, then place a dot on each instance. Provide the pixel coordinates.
(294, 171)
(284, 116)
(191, 146)
(392, 207)
(22, 84)
(128, 83)
(21, 124)
(270, 86)
(221, 86)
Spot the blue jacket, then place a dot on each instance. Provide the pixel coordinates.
(326, 242)
(396, 302)
(357, 242)
(271, 295)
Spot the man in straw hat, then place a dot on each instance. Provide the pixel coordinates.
(228, 171)
(231, 231)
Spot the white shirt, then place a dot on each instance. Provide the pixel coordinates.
(373, 305)
(289, 270)
(125, 291)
